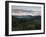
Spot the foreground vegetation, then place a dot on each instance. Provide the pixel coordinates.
(33, 24)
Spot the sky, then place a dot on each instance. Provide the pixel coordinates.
(26, 10)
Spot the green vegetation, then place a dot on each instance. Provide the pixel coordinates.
(25, 25)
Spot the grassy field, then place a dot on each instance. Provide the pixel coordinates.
(34, 24)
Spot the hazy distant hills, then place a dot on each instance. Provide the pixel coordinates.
(27, 18)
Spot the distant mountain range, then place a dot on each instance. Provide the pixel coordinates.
(26, 18)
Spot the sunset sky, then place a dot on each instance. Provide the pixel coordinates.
(26, 10)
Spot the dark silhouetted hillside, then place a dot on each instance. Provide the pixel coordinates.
(26, 22)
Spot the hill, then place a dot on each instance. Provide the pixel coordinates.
(26, 22)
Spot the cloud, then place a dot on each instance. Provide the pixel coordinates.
(26, 10)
